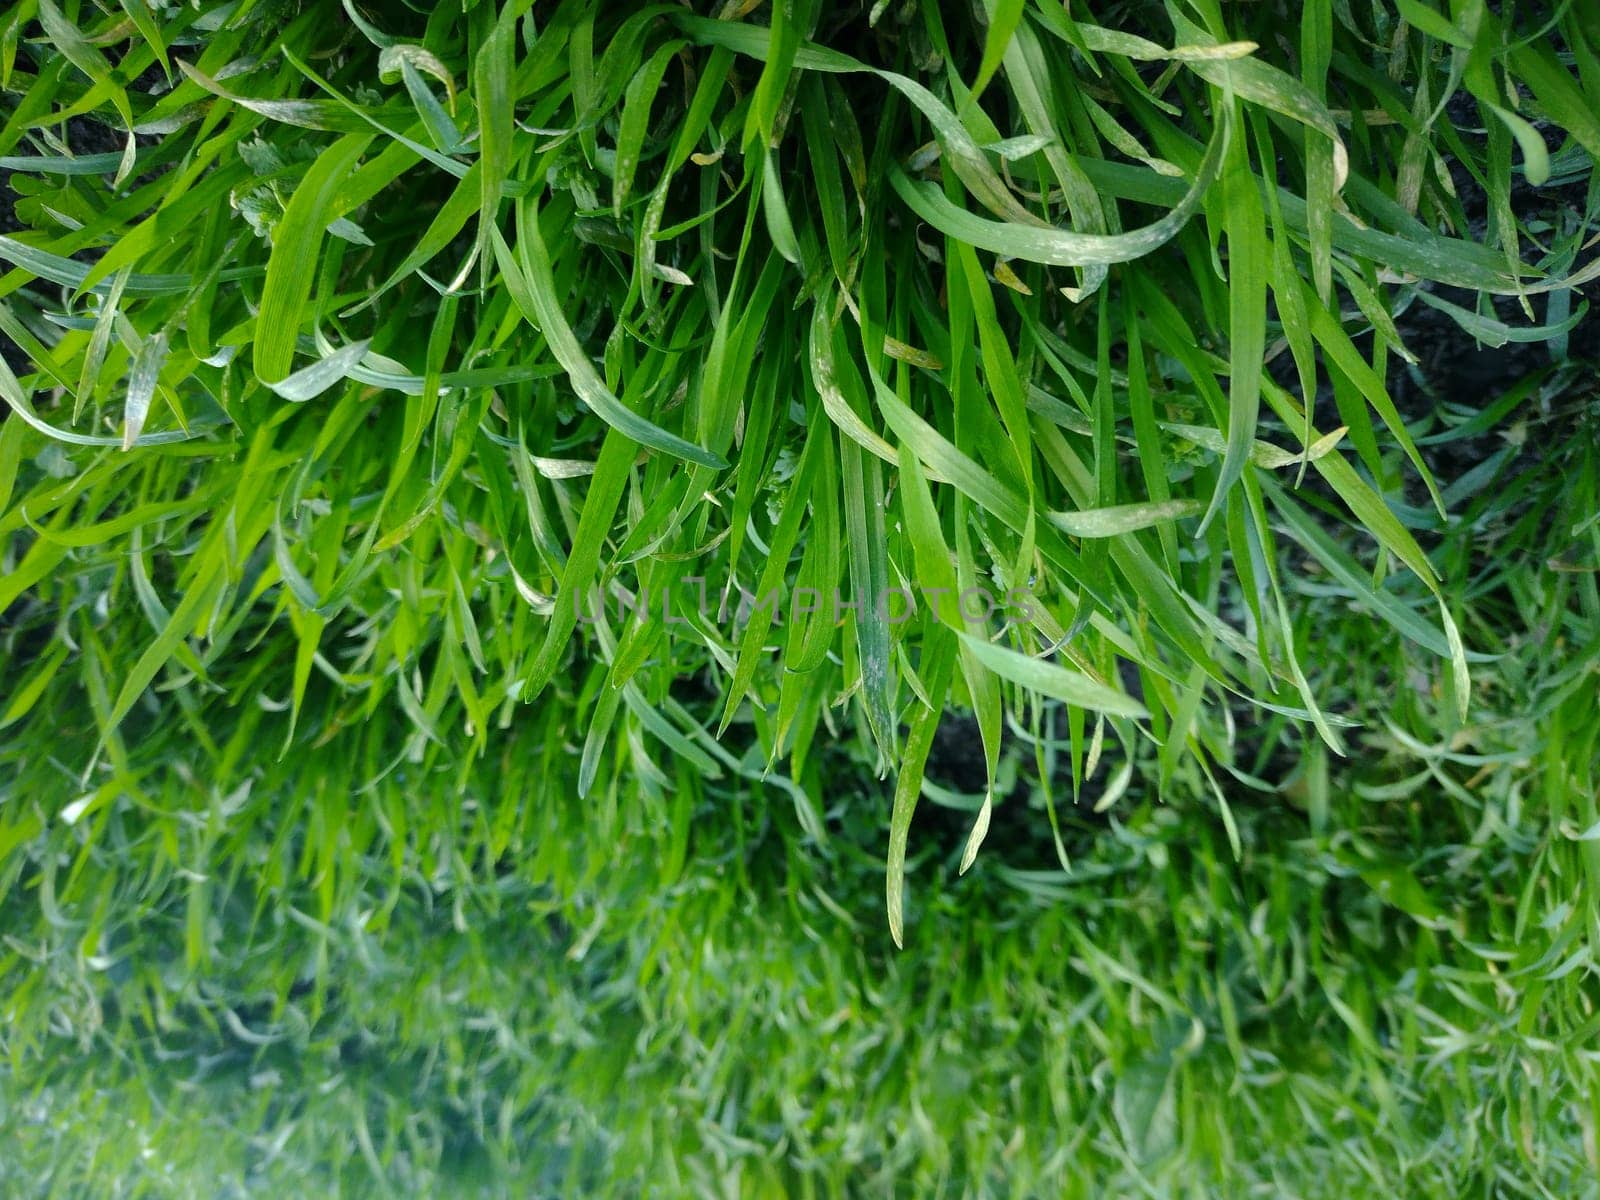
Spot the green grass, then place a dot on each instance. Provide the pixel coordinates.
(367, 823)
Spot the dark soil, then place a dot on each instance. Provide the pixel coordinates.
(1019, 831)
(84, 135)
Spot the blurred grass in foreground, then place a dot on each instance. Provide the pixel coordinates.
(285, 975)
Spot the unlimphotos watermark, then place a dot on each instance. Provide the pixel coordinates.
(693, 601)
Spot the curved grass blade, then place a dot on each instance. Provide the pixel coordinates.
(532, 286)
(908, 783)
(1060, 247)
(293, 264)
(1048, 679)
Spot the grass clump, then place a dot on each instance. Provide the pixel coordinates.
(503, 509)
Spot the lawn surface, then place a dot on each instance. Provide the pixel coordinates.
(800, 599)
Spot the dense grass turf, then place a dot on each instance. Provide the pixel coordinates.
(541, 542)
